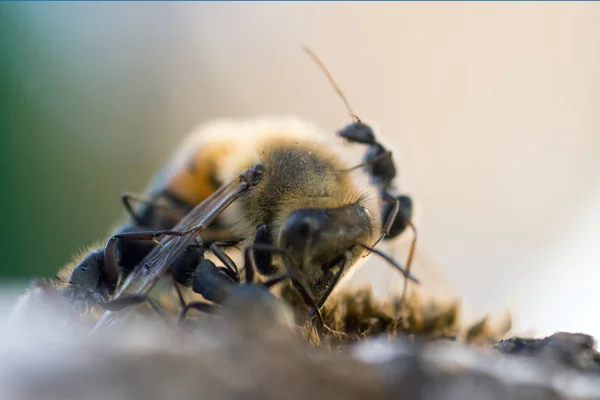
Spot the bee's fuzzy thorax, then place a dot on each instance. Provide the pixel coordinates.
(244, 143)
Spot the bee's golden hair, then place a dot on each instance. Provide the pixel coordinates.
(216, 152)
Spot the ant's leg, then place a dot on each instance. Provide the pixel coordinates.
(389, 260)
(232, 269)
(111, 268)
(403, 217)
(399, 216)
(405, 272)
(126, 198)
(204, 307)
(178, 290)
(130, 300)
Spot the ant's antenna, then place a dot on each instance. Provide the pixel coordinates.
(336, 87)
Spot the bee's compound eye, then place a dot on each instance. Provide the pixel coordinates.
(258, 172)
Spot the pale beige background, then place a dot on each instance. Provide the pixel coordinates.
(492, 108)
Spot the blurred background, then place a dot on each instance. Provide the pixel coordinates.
(492, 109)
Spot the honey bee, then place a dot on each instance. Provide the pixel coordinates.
(297, 194)
(265, 182)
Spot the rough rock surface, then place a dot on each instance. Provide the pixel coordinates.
(260, 357)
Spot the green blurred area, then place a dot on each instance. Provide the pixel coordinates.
(61, 188)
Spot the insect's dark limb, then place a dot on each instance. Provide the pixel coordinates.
(411, 254)
(386, 154)
(176, 204)
(269, 283)
(127, 198)
(263, 259)
(111, 267)
(389, 260)
(203, 307)
(134, 299)
(212, 282)
(232, 269)
(178, 290)
(183, 268)
(249, 265)
(250, 260)
(389, 221)
(130, 252)
(396, 223)
(266, 249)
(227, 243)
(308, 298)
(398, 219)
(344, 264)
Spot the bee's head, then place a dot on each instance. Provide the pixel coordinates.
(317, 239)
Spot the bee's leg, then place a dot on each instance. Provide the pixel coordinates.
(263, 259)
(304, 290)
(307, 296)
(343, 261)
(298, 283)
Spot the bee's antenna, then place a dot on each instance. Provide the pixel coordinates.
(336, 87)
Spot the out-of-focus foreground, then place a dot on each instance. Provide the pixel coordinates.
(249, 355)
